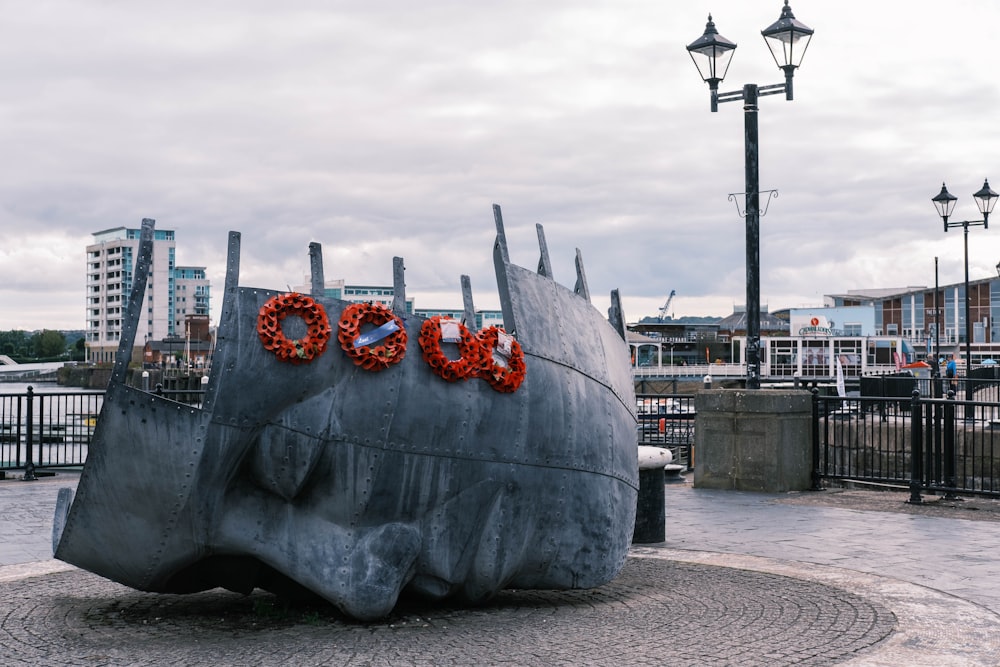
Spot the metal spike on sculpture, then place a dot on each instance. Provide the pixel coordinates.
(339, 451)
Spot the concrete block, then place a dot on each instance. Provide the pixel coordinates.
(753, 440)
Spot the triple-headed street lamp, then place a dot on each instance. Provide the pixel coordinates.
(787, 38)
(944, 202)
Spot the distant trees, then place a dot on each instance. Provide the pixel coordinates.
(21, 346)
(48, 343)
(15, 344)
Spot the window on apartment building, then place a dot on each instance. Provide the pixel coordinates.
(892, 329)
(852, 328)
(978, 332)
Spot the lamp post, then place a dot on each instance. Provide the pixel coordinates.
(788, 39)
(944, 202)
(937, 334)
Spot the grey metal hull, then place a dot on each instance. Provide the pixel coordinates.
(357, 485)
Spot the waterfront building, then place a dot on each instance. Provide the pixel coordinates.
(669, 341)
(484, 318)
(911, 313)
(192, 297)
(174, 294)
(339, 289)
(383, 294)
(832, 321)
(877, 330)
(735, 324)
(666, 341)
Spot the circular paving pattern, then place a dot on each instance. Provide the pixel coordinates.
(656, 612)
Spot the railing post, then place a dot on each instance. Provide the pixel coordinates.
(937, 437)
(932, 456)
(882, 404)
(916, 449)
(29, 464)
(949, 447)
(817, 472)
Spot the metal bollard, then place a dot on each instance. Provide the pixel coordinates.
(650, 509)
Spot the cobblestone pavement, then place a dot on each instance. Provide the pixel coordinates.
(743, 579)
(692, 614)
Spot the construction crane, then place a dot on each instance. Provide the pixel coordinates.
(666, 307)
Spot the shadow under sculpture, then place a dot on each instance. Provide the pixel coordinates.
(325, 478)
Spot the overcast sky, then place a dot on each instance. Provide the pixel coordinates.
(390, 127)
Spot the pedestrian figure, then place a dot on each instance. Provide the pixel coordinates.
(951, 372)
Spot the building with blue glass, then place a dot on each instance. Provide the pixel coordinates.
(174, 294)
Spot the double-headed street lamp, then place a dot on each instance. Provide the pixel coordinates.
(944, 202)
(787, 39)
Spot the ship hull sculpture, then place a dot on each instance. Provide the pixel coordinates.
(310, 473)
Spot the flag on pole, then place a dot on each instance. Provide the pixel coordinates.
(841, 387)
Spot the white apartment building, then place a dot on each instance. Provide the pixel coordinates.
(172, 292)
(192, 296)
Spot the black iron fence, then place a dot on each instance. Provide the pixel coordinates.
(983, 384)
(668, 421)
(46, 430)
(930, 445)
(41, 430)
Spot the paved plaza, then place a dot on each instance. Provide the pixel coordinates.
(742, 579)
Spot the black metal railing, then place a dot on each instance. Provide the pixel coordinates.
(46, 430)
(54, 429)
(982, 384)
(667, 421)
(929, 445)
